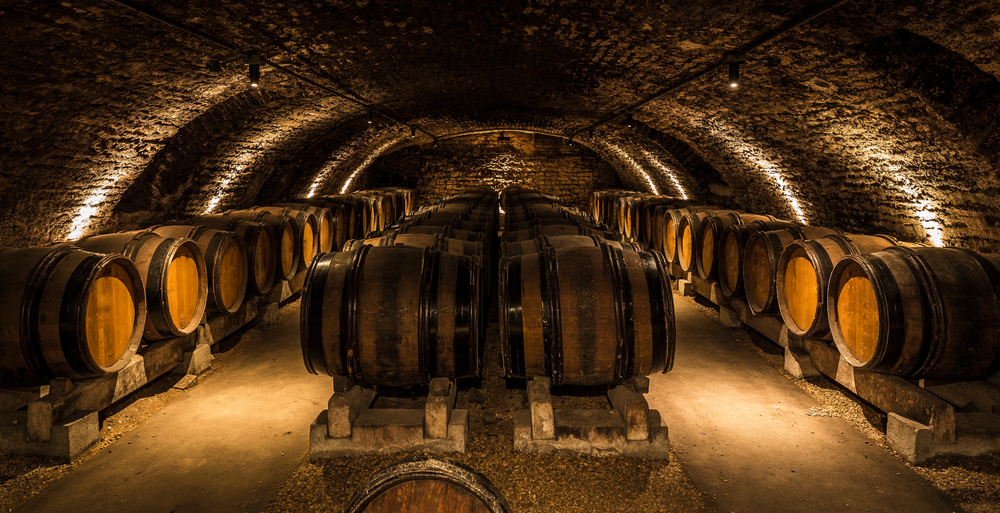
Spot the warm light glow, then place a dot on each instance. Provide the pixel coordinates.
(779, 180)
(625, 157)
(222, 188)
(734, 84)
(90, 209)
(666, 170)
(367, 162)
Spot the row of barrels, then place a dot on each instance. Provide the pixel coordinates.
(576, 305)
(888, 306)
(355, 215)
(81, 309)
(406, 304)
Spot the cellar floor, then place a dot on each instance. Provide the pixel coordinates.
(745, 438)
(752, 440)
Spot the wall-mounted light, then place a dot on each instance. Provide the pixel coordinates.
(590, 135)
(413, 132)
(371, 114)
(629, 120)
(254, 60)
(734, 61)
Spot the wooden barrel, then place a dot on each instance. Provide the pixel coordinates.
(449, 221)
(447, 231)
(929, 313)
(649, 216)
(525, 247)
(427, 485)
(67, 313)
(307, 234)
(261, 248)
(760, 263)
(804, 273)
(554, 230)
(392, 316)
(689, 243)
(710, 234)
(328, 229)
(438, 241)
(225, 263)
(732, 244)
(173, 273)
(671, 224)
(285, 235)
(353, 212)
(586, 315)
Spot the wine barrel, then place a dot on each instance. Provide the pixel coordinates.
(929, 313)
(804, 273)
(285, 236)
(586, 315)
(261, 248)
(554, 230)
(427, 485)
(457, 223)
(392, 316)
(672, 219)
(329, 230)
(225, 263)
(650, 219)
(525, 247)
(732, 244)
(689, 243)
(353, 207)
(67, 313)
(307, 235)
(448, 231)
(711, 232)
(760, 263)
(438, 242)
(173, 274)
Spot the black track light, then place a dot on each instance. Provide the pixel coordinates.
(629, 120)
(413, 132)
(590, 135)
(371, 114)
(734, 74)
(254, 60)
(435, 143)
(214, 66)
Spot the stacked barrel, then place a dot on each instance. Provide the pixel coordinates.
(576, 305)
(358, 214)
(405, 304)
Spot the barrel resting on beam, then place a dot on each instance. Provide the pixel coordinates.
(629, 429)
(350, 427)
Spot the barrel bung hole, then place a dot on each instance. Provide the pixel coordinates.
(730, 273)
(110, 315)
(183, 287)
(857, 312)
(801, 289)
(287, 250)
(233, 274)
(707, 249)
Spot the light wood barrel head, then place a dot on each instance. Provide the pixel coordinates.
(707, 248)
(110, 315)
(670, 239)
(857, 313)
(757, 271)
(308, 243)
(801, 289)
(184, 290)
(287, 250)
(263, 257)
(729, 272)
(232, 279)
(426, 496)
(325, 233)
(687, 248)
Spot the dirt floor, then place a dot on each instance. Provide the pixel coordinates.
(530, 483)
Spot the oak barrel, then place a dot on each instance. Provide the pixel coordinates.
(732, 244)
(555, 230)
(286, 237)
(427, 485)
(524, 247)
(353, 212)
(174, 277)
(307, 235)
(710, 235)
(225, 263)
(392, 315)
(671, 229)
(930, 313)
(804, 273)
(330, 225)
(586, 315)
(760, 263)
(261, 248)
(65, 312)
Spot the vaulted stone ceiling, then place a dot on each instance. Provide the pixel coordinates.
(880, 118)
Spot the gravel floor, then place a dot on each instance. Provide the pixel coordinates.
(530, 483)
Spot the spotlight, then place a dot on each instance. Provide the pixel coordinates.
(629, 120)
(254, 60)
(214, 66)
(590, 135)
(371, 114)
(413, 132)
(734, 74)
(435, 143)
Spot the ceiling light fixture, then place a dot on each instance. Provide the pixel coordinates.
(413, 132)
(253, 59)
(734, 60)
(371, 114)
(503, 138)
(629, 120)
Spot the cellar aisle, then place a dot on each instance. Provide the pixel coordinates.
(228, 444)
(744, 433)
